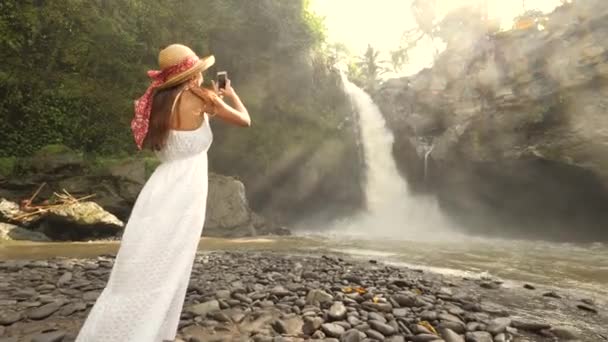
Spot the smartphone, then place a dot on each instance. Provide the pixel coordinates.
(222, 76)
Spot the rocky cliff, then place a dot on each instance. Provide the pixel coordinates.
(515, 128)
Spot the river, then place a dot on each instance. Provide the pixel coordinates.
(567, 267)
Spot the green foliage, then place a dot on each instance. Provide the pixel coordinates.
(7, 166)
(72, 68)
(367, 70)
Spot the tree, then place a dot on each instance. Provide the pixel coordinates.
(371, 68)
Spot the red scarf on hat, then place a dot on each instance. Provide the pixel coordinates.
(143, 105)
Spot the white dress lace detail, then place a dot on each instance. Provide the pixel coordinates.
(143, 298)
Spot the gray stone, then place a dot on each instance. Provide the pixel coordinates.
(565, 333)
(9, 317)
(9, 339)
(374, 316)
(55, 336)
(459, 328)
(332, 329)
(400, 312)
(371, 333)
(529, 326)
(586, 307)
(337, 311)
(395, 338)
(85, 219)
(352, 335)
(316, 297)
(450, 318)
(204, 308)
(280, 291)
(429, 315)
(45, 310)
(406, 300)
(383, 328)
(10, 232)
(479, 336)
(279, 326)
(500, 338)
(228, 213)
(498, 325)
(352, 320)
(424, 338)
(311, 324)
(450, 336)
(91, 296)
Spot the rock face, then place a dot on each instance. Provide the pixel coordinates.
(116, 185)
(514, 130)
(9, 232)
(79, 221)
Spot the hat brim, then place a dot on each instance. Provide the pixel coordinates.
(200, 66)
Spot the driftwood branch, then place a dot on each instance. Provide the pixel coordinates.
(63, 199)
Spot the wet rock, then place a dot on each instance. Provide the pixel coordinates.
(565, 333)
(383, 328)
(424, 338)
(10, 232)
(529, 326)
(279, 326)
(353, 321)
(332, 329)
(9, 339)
(498, 325)
(450, 336)
(587, 308)
(9, 317)
(69, 309)
(406, 300)
(374, 316)
(317, 297)
(91, 296)
(479, 336)
(55, 336)
(204, 308)
(374, 334)
(450, 318)
(311, 324)
(45, 310)
(552, 294)
(352, 335)
(490, 285)
(500, 338)
(459, 328)
(337, 311)
(280, 291)
(80, 221)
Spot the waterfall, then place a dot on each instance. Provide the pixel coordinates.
(392, 211)
(426, 162)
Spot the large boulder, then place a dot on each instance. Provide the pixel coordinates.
(10, 232)
(228, 213)
(517, 131)
(80, 221)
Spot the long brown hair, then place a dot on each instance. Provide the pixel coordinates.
(160, 117)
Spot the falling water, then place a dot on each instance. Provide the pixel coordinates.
(426, 162)
(392, 211)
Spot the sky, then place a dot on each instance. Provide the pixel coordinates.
(381, 23)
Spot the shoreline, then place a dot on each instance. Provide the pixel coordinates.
(276, 285)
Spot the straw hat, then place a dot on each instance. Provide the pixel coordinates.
(175, 54)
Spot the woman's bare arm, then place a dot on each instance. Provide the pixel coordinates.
(237, 115)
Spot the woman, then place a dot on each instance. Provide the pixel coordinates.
(144, 295)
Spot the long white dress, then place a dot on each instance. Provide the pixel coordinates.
(144, 296)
